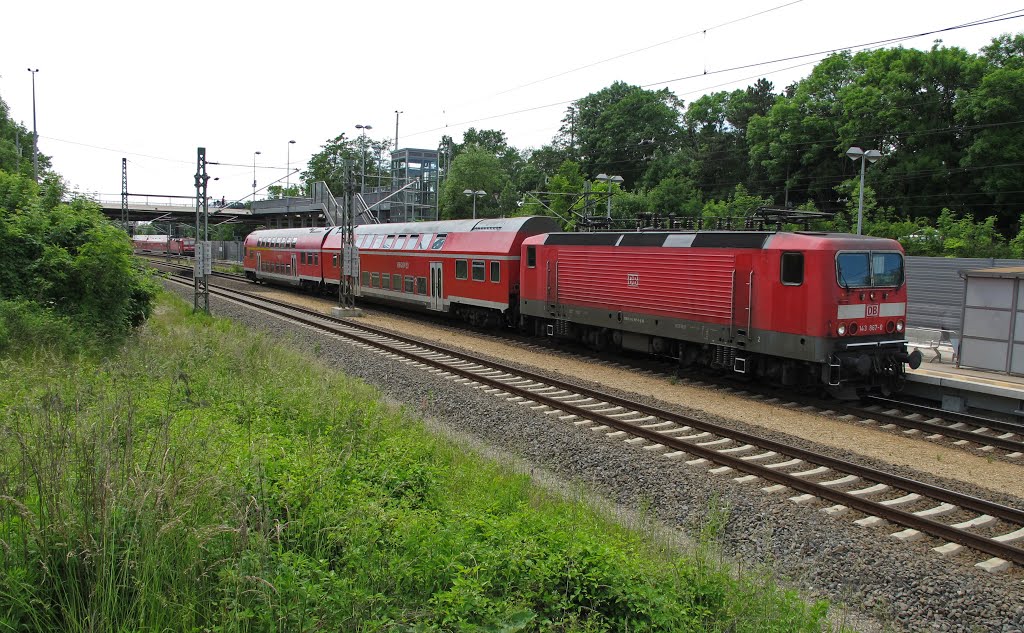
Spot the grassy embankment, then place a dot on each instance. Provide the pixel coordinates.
(205, 478)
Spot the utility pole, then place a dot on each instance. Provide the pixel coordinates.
(35, 132)
(203, 255)
(348, 260)
(124, 194)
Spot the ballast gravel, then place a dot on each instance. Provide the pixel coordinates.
(874, 582)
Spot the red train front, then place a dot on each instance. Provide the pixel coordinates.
(793, 308)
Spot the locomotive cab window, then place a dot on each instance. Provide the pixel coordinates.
(869, 269)
(461, 269)
(792, 269)
(495, 272)
(531, 256)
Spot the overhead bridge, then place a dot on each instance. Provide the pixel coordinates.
(280, 213)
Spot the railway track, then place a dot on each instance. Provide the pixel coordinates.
(867, 496)
(963, 431)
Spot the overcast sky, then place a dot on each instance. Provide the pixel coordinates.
(153, 81)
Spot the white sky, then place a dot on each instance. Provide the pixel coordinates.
(153, 81)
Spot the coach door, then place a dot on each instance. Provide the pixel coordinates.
(295, 270)
(436, 295)
(259, 262)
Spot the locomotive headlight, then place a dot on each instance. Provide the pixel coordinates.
(899, 326)
(842, 329)
(872, 296)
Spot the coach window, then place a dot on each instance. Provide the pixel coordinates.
(792, 269)
(377, 239)
(388, 241)
(495, 272)
(334, 261)
(385, 281)
(421, 285)
(461, 269)
(424, 241)
(302, 258)
(409, 281)
(439, 242)
(413, 242)
(479, 270)
(531, 256)
(375, 280)
(366, 278)
(400, 242)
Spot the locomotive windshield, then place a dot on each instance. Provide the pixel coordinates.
(869, 269)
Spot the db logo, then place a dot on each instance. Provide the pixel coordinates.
(633, 280)
(871, 310)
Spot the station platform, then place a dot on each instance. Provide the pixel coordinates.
(963, 389)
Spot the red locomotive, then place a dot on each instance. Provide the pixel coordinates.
(792, 308)
(163, 244)
(798, 308)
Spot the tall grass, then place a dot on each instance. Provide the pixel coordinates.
(206, 478)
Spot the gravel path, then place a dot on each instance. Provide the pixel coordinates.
(866, 575)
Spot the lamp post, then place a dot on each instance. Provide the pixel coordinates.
(871, 155)
(610, 180)
(254, 155)
(362, 146)
(475, 194)
(288, 176)
(397, 112)
(35, 133)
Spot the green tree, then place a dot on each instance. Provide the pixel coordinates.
(477, 169)
(992, 118)
(69, 261)
(606, 129)
(331, 163)
(16, 146)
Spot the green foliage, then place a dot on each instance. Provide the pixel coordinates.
(478, 169)
(68, 260)
(165, 489)
(606, 128)
(16, 147)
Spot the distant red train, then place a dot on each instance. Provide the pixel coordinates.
(798, 308)
(163, 244)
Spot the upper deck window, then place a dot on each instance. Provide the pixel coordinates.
(869, 269)
(438, 241)
(388, 241)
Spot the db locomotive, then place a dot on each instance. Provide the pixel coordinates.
(820, 310)
(164, 244)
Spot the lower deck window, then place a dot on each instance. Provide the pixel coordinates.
(386, 281)
(421, 285)
(409, 281)
(495, 272)
(366, 278)
(479, 270)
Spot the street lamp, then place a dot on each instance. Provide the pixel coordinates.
(362, 145)
(610, 180)
(288, 176)
(254, 155)
(871, 155)
(35, 134)
(475, 194)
